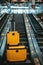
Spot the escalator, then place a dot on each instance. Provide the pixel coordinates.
(20, 27)
(38, 31)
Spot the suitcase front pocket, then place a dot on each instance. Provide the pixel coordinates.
(16, 54)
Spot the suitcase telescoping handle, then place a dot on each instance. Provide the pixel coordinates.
(13, 24)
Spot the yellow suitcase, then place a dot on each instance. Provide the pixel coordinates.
(17, 53)
(12, 38)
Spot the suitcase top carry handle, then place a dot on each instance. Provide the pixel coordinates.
(13, 24)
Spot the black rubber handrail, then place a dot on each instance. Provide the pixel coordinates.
(2, 23)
